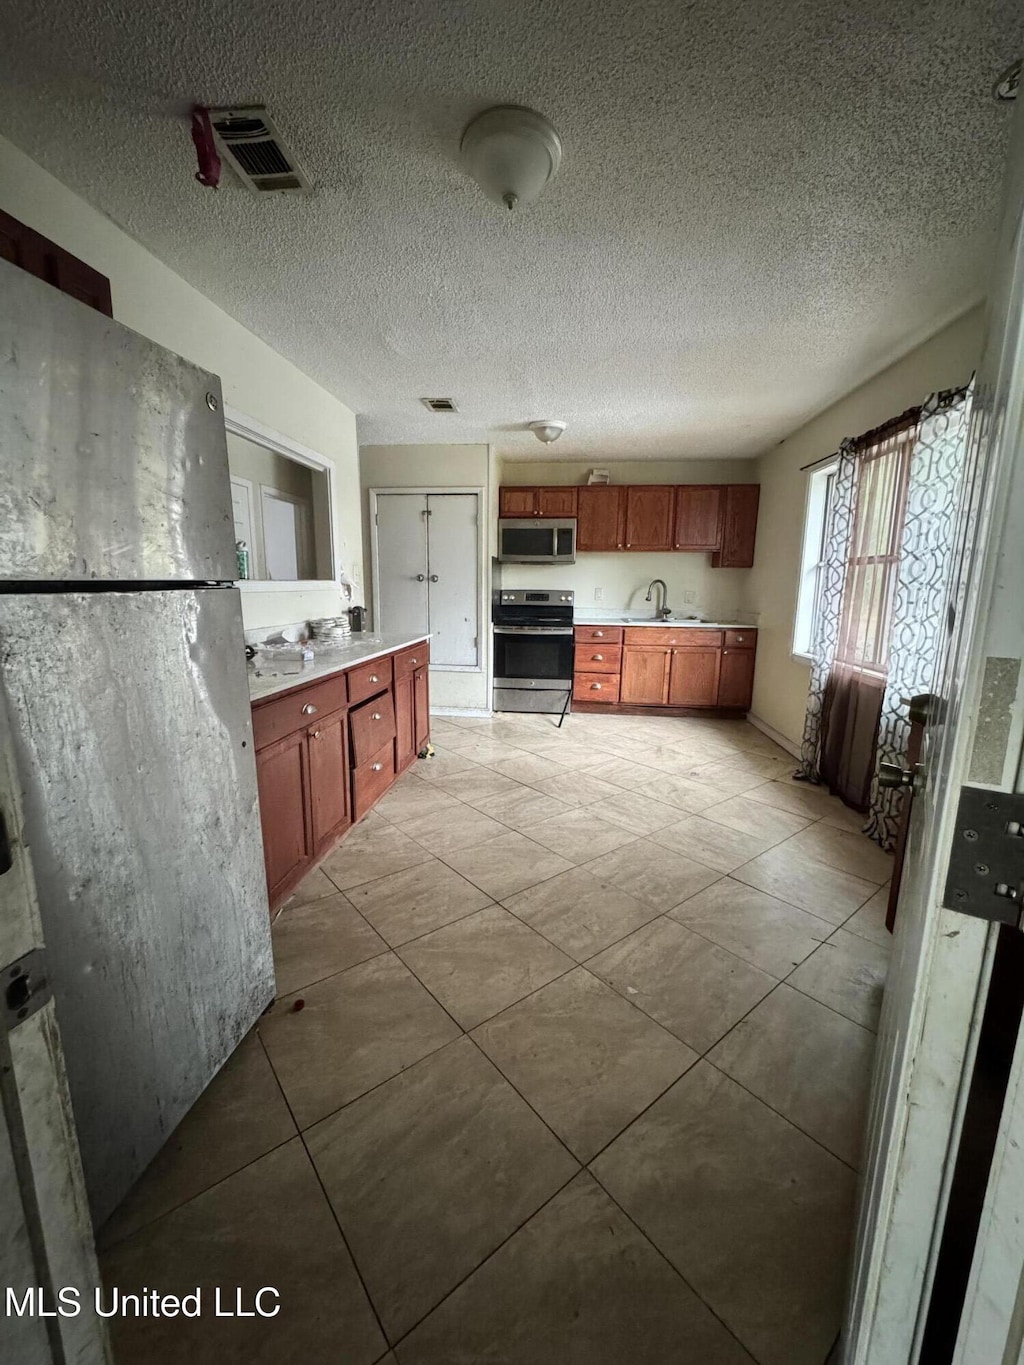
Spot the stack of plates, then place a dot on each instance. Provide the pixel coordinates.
(331, 630)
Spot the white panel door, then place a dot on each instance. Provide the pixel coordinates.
(402, 563)
(452, 571)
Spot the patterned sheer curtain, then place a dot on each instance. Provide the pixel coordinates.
(931, 544)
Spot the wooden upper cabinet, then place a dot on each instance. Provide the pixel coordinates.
(649, 509)
(31, 251)
(557, 502)
(517, 502)
(645, 676)
(601, 517)
(698, 524)
(694, 677)
(739, 526)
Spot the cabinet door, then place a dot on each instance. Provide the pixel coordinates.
(645, 677)
(739, 526)
(517, 502)
(328, 777)
(694, 680)
(649, 510)
(557, 502)
(736, 685)
(601, 517)
(281, 775)
(405, 721)
(698, 517)
(421, 705)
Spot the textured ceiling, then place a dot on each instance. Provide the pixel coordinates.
(761, 202)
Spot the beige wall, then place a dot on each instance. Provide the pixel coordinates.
(153, 300)
(947, 359)
(622, 579)
(437, 466)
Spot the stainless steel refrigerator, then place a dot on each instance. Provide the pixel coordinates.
(123, 674)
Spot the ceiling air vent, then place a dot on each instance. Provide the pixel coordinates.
(248, 139)
(439, 404)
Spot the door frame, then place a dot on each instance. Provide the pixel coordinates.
(432, 491)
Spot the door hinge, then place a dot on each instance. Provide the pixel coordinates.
(985, 877)
(26, 988)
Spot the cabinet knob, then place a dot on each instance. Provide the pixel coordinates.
(415, 661)
(629, 544)
(724, 652)
(376, 767)
(309, 709)
(375, 716)
(374, 678)
(739, 639)
(317, 734)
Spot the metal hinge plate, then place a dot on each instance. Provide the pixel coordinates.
(26, 988)
(985, 877)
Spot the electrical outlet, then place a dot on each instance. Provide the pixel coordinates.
(599, 594)
(689, 597)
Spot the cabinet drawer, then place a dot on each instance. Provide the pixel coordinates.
(741, 639)
(372, 725)
(598, 658)
(371, 780)
(609, 635)
(679, 636)
(368, 679)
(282, 716)
(597, 687)
(408, 660)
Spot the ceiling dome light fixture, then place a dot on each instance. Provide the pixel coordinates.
(548, 430)
(511, 153)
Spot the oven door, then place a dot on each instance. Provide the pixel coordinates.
(533, 657)
(525, 541)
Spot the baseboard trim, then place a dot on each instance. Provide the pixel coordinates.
(774, 735)
(460, 711)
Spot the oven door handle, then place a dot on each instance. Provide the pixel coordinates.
(532, 630)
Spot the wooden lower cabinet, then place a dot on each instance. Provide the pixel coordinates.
(693, 679)
(644, 676)
(325, 753)
(736, 683)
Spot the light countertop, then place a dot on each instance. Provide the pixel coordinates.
(269, 675)
(648, 621)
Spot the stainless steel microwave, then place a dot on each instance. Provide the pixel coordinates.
(536, 540)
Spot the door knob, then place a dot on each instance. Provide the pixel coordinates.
(892, 775)
(421, 577)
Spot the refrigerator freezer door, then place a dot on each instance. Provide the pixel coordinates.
(114, 461)
(133, 741)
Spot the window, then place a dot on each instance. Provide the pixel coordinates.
(820, 486)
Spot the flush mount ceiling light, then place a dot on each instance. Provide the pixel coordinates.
(511, 153)
(1007, 86)
(547, 431)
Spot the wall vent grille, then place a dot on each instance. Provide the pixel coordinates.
(248, 139)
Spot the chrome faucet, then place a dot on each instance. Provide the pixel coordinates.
(664, 611)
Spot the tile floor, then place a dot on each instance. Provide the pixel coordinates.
(580, 1074)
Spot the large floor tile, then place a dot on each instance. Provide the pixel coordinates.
(869, 921)
(792, 876)
(320, 938)
(521, 807)
(708, 842)
(568, 754)
(580, 835)
(355, 1030)
(724, 779)
(490, 751)
(802, 798)
(759, 928)
(694, 988)
(752, 818)
(407, 904)
(622, 772)
(372, 852)
(444, 763)
(313, 885)
(475, 785)
(844, 849)
(578, 789)
(848, 974)
(444, 831)
(501, 867)
(578, 1285)
(639, 814)
(586, 1060)
(528, 768)
(270, 1224)
(481, 965)
(753, 1214)
(239, 1116)
(579, 912)
(653, 874)
(430, 1173)
(682, 792)
(807, 1062)
(409, 798)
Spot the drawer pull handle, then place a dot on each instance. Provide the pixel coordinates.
(598, 634)
(376, 767)
(597, 658)
(309, 709)
(415, 661)
(374, 678)
(595, 687)
(375, 716)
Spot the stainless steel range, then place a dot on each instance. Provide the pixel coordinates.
(532, 649)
